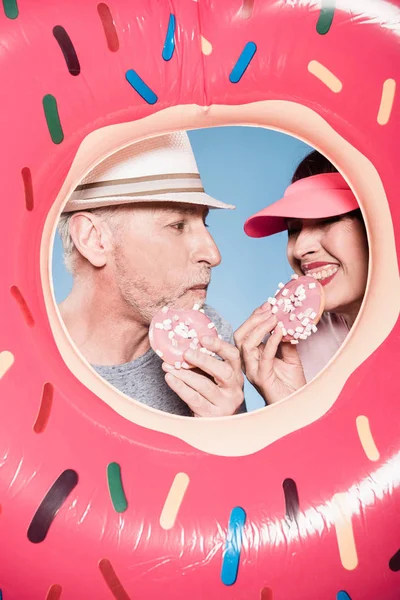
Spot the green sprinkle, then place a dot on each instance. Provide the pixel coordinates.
(326, 16)
(11, 8)
(116, 490)
(52, 118)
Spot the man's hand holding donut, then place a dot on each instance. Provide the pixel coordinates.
(274, 378)
(215, 388)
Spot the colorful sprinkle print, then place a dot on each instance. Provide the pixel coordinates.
(10, 8)
(115, 487)
(326, 16)
(243, 62)
(50, 505)
(28, 188)
(6, 362)
(387, 101)
(231, 557)
(54, 592)
(46, 404)
(110, 30)
(342, 516)
(174, 500)
(112, 581)
(206, 47)
(68, 50)
(325, 76)
(342, 596)
(394, 562)
(291, 499)
(140, 87)
(53, 119)
(366, 439)
(15, 292)
(169, 44)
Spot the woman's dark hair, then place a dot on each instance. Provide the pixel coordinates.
(316, 163)
(313, 164)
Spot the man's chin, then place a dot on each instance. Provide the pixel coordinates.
(191, 299)
(198, 296)
(188, 301)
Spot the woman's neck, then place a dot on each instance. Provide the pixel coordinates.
(350, 313)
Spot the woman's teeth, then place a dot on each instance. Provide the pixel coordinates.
(324, 273)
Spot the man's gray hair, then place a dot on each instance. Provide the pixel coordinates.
(70, 251)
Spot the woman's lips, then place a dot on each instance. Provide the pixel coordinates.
(323, 272)
(316, 265)
(327, 279)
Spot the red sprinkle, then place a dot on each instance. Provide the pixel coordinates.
(110, 30)
(23, 306)
(28, 188)
(45, 408)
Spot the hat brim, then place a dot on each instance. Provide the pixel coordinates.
(316, 204)
(199, 198)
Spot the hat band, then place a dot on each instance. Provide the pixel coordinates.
(139, 186)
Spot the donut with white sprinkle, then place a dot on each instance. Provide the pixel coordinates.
(298, 306)
(173, 331)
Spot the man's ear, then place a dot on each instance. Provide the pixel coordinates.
(91, 237)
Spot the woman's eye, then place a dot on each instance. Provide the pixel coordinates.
(293, 230)
(331, 220)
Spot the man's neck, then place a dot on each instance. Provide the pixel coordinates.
(103, 335)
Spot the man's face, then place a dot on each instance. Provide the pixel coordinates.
(163, 255)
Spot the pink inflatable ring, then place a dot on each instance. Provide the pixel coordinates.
(102, 497)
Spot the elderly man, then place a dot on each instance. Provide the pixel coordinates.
(135, 239)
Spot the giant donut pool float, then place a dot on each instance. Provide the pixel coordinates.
(102, 497)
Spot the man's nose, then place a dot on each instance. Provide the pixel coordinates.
(206, 250)
(307, 242)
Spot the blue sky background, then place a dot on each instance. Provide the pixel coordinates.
(249, 167)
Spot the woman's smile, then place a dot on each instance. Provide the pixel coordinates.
(324, 272)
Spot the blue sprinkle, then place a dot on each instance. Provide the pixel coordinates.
(169, 44)
(342, 596)
(243, 62)
(231, 557)
(140, 87)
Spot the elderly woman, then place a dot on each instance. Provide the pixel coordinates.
(326, 239)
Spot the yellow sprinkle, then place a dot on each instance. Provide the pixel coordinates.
(206, 47)
(344, 532)
(326, 76)
(6, 361)
(174, 500)
(388, 94)
(366, 439)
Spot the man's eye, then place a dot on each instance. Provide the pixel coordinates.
(179, 226)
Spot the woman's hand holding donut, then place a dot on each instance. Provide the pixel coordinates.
(215, 388)
(274, 378)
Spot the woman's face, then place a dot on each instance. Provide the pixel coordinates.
(335, 252)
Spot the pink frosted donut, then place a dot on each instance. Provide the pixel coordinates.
(173, 331)
(298, 306)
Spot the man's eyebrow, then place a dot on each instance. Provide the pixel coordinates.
(187, 210)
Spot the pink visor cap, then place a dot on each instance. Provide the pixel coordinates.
(315, 197)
